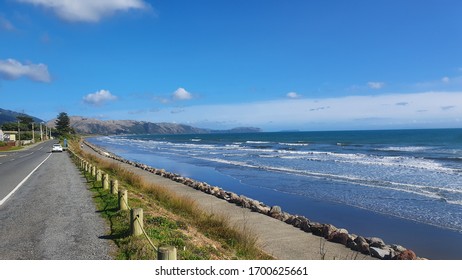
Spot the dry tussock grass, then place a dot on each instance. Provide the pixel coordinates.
(216, 227)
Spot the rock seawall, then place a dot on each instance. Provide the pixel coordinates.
(372, 246)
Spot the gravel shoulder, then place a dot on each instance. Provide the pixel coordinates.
(52, 216)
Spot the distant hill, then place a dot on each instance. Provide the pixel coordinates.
(10, 116)
(84, 125)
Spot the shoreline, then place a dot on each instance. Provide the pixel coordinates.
(372, 246)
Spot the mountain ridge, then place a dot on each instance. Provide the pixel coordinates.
(85, 125)
(7, 116)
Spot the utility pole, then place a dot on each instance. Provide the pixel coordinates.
(33, 133)
(41, 133)
(46, 132)
(19, 134)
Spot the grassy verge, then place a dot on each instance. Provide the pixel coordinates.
(169, 219)
(10, 148)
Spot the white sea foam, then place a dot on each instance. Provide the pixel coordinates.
(295, 144)
(363, 159)
(257, 142)
(232, 146)
(404, 149)
(339, 158)
(433, 192)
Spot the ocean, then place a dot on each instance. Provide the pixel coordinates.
(404, 186)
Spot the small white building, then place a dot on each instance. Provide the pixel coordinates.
(1, 135)
(9, 135)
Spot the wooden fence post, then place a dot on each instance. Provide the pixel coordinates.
(166, 253)
(136, 221)
(98, 175)
(106, 181)
(114, 186)
(123, 200)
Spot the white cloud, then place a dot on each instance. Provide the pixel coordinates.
(445, 79)
(181, 94)
(427, 109)
(293, 95)
(375, 85)
(87, 10)
(99, 98)
(11, 69)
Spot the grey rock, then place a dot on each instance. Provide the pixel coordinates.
(328, 230)
(376, 242)
(340, 236)
(316, 228)
(362, 245)
(380, 253)
(398, 248)
(276, 210)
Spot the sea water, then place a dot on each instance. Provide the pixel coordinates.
(415, 175)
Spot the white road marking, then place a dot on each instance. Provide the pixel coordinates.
(22, 182)
(26, 155)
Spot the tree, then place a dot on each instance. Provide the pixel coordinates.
(10, 126)
(25, 120)
(63, 124)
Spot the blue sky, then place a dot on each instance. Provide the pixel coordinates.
(278, 65)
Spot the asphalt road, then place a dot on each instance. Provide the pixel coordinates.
(15, 166)
(51, 215)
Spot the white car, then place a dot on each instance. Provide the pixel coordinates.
(57, 148)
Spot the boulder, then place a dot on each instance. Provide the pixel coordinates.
(304, 224)
(364, 248)
(316, 228)
(376, 242)
(291, 220)
(398, 248)
(406, 255)
(244, 201)
(392, 253)
(380, 253)
(352, 244)
(234, 198)
(362, 245)
(328, 230)
(340, 236)
(285, 216)
(263, 209)
(221, 194)
(276, 212)
(214, 190)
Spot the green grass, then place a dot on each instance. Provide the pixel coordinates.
(12, 148)
(162, 230)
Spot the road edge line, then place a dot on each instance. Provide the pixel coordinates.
(23, 181)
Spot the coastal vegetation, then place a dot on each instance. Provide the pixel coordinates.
(169, 220)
